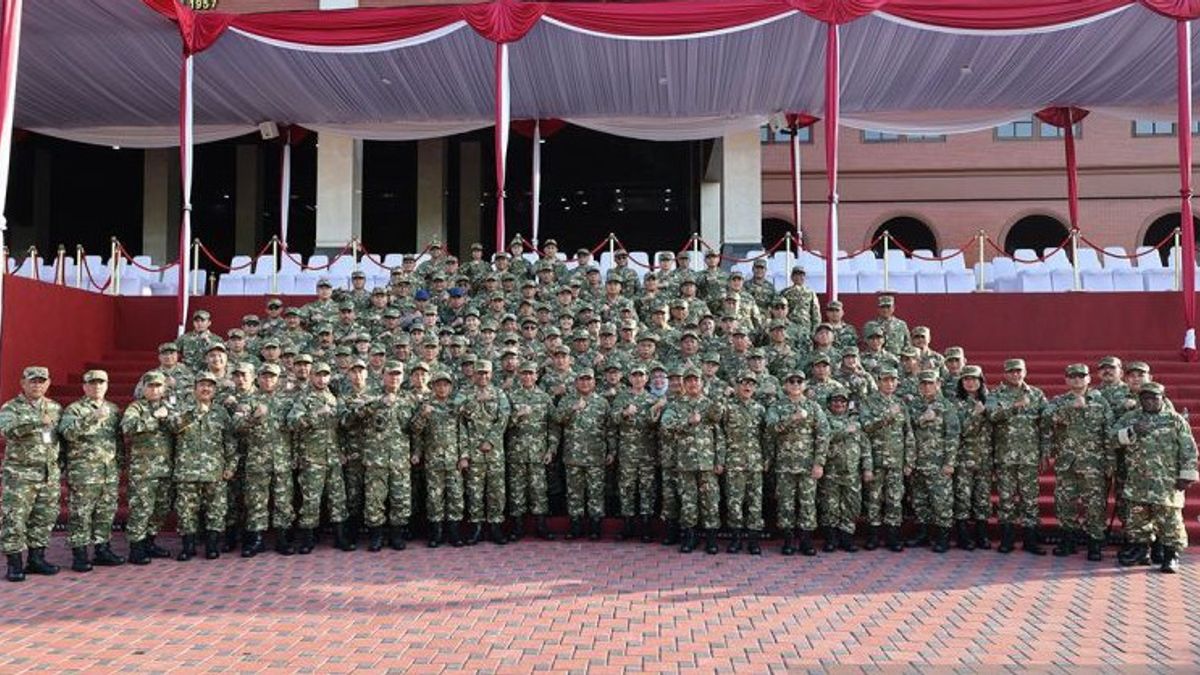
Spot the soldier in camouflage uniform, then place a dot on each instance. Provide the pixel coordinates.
(974, 467)
(692, 422)
(844, 334)
(848, 465)
(90, 426)
(884, 417)
(205, 459)
(634, 414)
(587, 449)
(800, 442)
(194, 344)
(895, 331)
(1015, 409)
(874, 357)
(261, 425)
(29, 424)
(530, 445)
(1078, 423)
(804, 307)
(485, 413)
(354, 405)
(387, 461)
(149, 447)
(936, 435)
(744, 427)
(1121, 401)
(437, 431)
(313, 421)
(1161, 455)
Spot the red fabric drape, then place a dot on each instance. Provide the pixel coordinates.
(837, 11)
(1183, 51)
(1175, 9)
(796, 122)
(832, 98)
(1065, 119)
(665, 18)
(547, 127)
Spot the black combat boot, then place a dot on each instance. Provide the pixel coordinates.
(735, 545)
(687, 542)
(647, 534)
(498, 534)
(576, 529)
(710, 542)
(375, 539)
(831, 541)
(105, 557)
(628, 531)
(805, 546)
(596, 529)
(1033, 543)
(283, 542)
(435, 535)
(455, 530)
(342, 539)
(872, 541)
(476, 534)
(963, 536)
(543, 529)
(156, 551)
(1066, 544)
(672, 533)
(307, 542)
(753, 547)
(518, 530)
(1135, 554)
(1007, 538)
(894, 544)
(920, 538)
(789, 543)
(1094, 553)
(37, 563)
(252, 543)
(982, 541)
(79, 559)
(16, 568)
(940, 538)
(137, 553)
(1156, 553)
(396, 539)
(187, 549)
(1170, 561)
(212, 545)
(231, 540)
(846, 541)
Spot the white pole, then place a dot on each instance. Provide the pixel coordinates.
(285, 187)
(887, 282)
(274, 264)
(1176, 255)
(79, 266)
(982, 269)
(537, 180)
(185, 175)
(1075, 259)
(10, 51)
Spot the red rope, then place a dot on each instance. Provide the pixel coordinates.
(857, 253)
(937, 258)
(1041, 258)
(88, 270)
(313, 268)
(1131, 256)
(770, 251)
(228, 268)
(620, 246)
(155, 270)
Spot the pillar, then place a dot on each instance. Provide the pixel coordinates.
(338, 4)
(156, 198)
(741, 190)
(431, 192)
(246, 200)
(470, 195)
(710, 212)
(339, 191)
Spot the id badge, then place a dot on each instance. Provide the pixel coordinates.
(47, 437)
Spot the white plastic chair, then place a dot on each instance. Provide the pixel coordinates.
(265, 264)
(1056, 259)
(952, 259)
(1149, 259)
(286, 284)
(304, 284)
(1158, 278)
(393, 260)
(868, 281)
(847, 282)
(930, 281)
(1088, 259)
(896, 260)
(1062, 279)
(131, 284)
(256, 284)
(817, 283)
(1027, 255)
(1127, 279)
(1116, 259)
(1034, 280)
(318, 260)
(922, 264)
(231, 284)
(902, 281)
(342, 266)
(1097, 280)
(240, 267)
(287, 265)
(960, 281)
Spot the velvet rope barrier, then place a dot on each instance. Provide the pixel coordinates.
(233, 268)
(936, 258)
(878, 238)
(1129, 256)
(145, 268)
(310, 268)
(1041, 258)
(730, 259)
(87, 269)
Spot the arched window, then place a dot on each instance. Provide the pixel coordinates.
(911, 233)
(1035, 232)
(773, 229)
(1162, 228)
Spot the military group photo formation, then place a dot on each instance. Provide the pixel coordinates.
(478, 403)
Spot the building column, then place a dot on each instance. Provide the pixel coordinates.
(470, 195)
(246, 200)
(43, 203)
(339, 191)
(741, 191)
(431, 191)
(337, 4)
(710, 211)
(156, 205)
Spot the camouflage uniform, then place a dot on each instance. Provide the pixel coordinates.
(1019, 450)
(799, 445)
(935, 446)
(205, 450)
(92, 472)
(636, 443)
(586, 442)
(840, 489)
(31, 473)
(269, 463)
(974, 465)
(1083, 460)
(744, 442)
(387, 460)
(885, 419)
(437, 437)
(805, 311)
(149, 446)
(528, 439)
(895, 332)
(354, 423)
(485, 412)
(314, 425)
(701, 448)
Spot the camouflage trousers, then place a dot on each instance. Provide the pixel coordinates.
(527, 489)
(91, 508)
(485, 492)
(191, 498)
(317, 481)
(699, 499)
(387, 495)
(585, 491)
(1156, 522)
(235, 506)
(972, 493)
(270, 501)
(443, 494)
(885, 498)
(635, 484)
(353, 476)
(796, 501)
(1083, 493)
(933, 498)
(29, 509)
(149, 504)
(1017, 488)
(1122, 505)
(744, 499)
(670, 494)
(840, 501)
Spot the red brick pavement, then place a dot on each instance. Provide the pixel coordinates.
(598, 607)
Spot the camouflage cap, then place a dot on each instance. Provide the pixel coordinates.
(287, 350)
(837, 390)
(581, 334)
(910, 353)
(874, 332)
(955, 353)
(236, 334)
(440, 375)
(292, 311)
(420, 365)
(820, 359)
(797, 269)
(1138, 366)
(483, 366)
(468, 359)
(206, 376)
(648, 337)
(250, 318)
(666, 255)
(36, 373)
(760, 263)
(834, 304)
(608, 329)
(244, 367)
(885, 301)
(585, 373)
(201, 314)
(756, 353)
(321, 367)
(324, 282)
(559, 349)
(796, 374)
(391, 313)
(270, 369)
(274, 303)
(920, 331)
(972, 371)
(738, 329)
(378, 349)
(928, 376)
(885, 373)
(358, 274)
(736, 274)
(529, 367)
(1110, 362)
(779, 301)
(168, 347)
(1152, 388)
(216, 346)
(303, 358)
(1014, 364)
(849, 351)
(154, 377)
(638, 370)
(392, 367)
(747, 376)
(823, 326)
(711, 357)
(379, 290)
(778, 324)
(692, 371)
(1077, 369)
(690, 335)
(343, 350)
(358, 364)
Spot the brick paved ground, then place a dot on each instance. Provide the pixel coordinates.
(601, 607)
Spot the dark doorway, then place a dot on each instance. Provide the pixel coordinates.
(1036, 232)
(1163, 228)
(773, 229)
(910, 233)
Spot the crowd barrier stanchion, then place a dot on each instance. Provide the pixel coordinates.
(1176, 256)
(887, 271)
(196, 267)
(982, 276)
(275, 266)
(114, 271)
(4, 260)
(354, 253)
(59, 270)
(79, 266)
(1075, 258)
(612, 247)
(787, 247)
(31, 256)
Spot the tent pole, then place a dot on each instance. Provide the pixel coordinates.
(1183, 53)
(10, 51)
(832, 93)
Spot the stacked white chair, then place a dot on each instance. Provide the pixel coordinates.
(1034, 279)
(1062, 279)
(869, 281)
(239, 266)
(1116, 258)
(231, 284)
(1097, 280)
(931, 281)
(256, 284)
